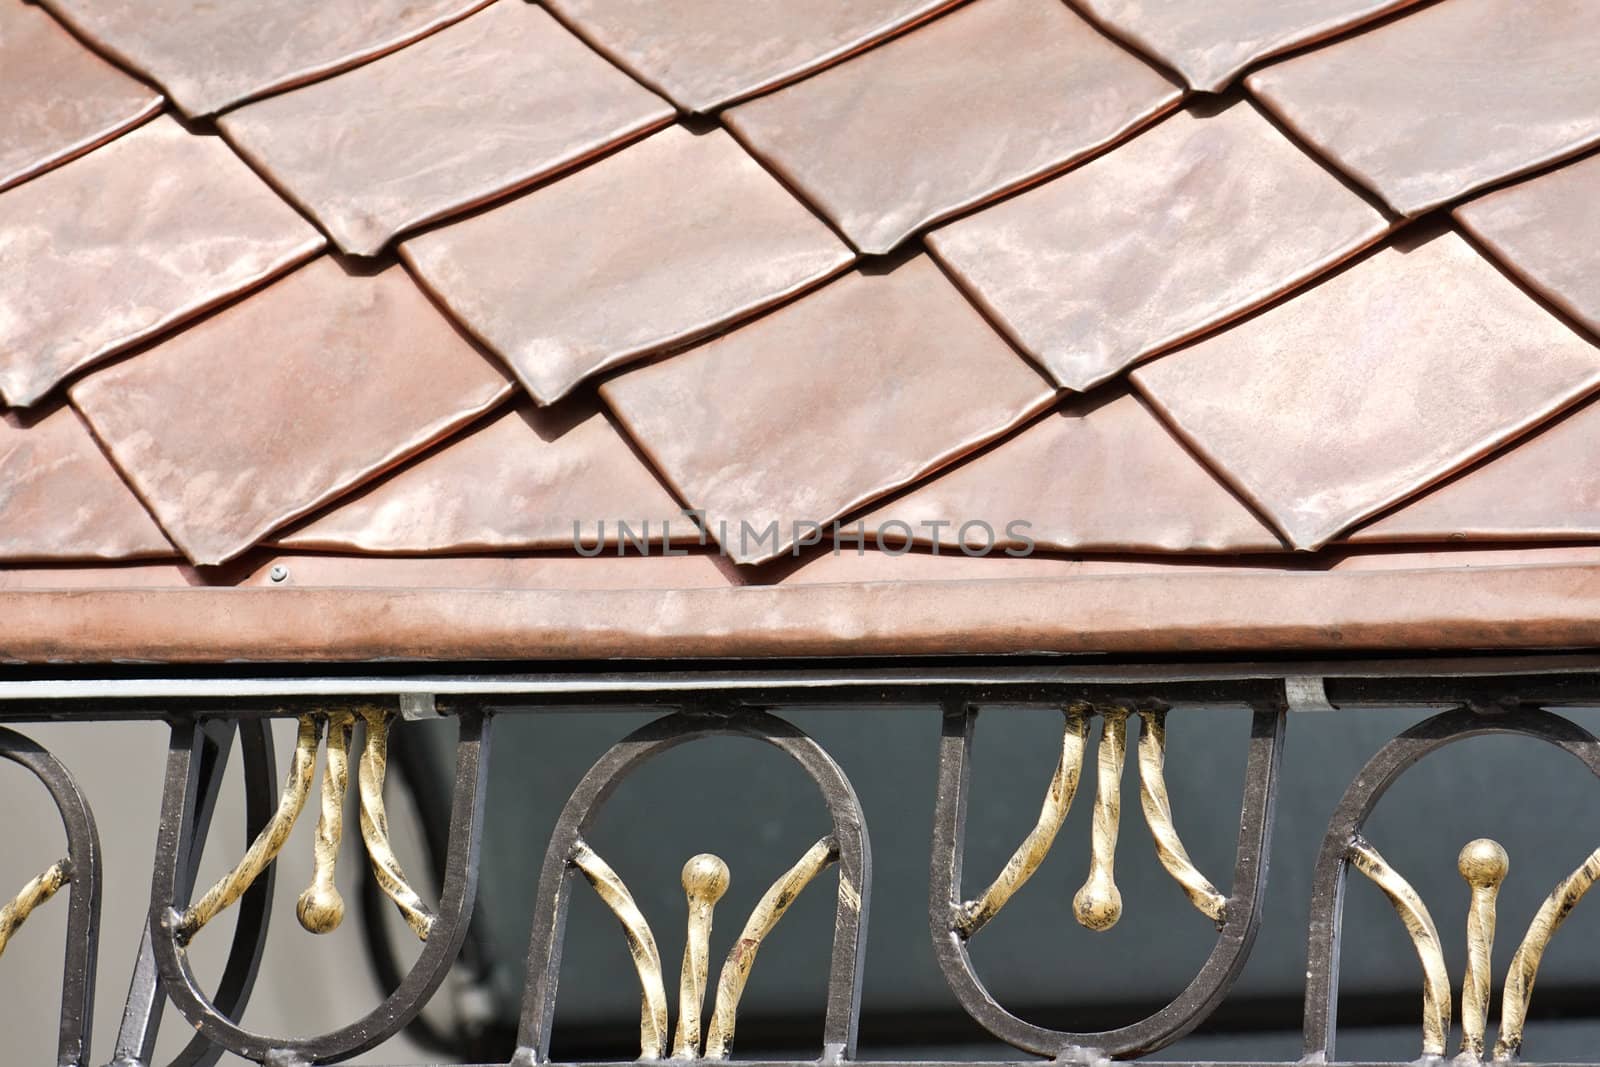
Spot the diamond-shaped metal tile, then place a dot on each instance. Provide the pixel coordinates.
(1545, 487)
(1186, 226)
(986, 99)
(1546, 231)
(703, 54)
(1210, 43)
(60, 99)
(528, 479)
(1407, 366)
(310, 388)
(1449, 99)
(490, 104)
(825, 405)
(121, 244)
(61, 499)
(209, 55)
(664, 241)
(1100, 475)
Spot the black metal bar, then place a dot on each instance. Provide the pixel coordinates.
(438, 954)
(1363, 794)
(83, 893)
(1189, 1008)
(555, 879)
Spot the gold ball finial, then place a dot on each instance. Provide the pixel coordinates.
(705, 877)
(1483, 863)
(1098, 905)
(320, 910)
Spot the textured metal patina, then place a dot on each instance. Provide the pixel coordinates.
(1334, 430)
(497, 101)
(704, 54)
(941, 120)
(1450, 99)
(642, 252)
(209, 56)
(61, 100)
(765, 425)
(312, 387)
(1080, 271)
(143, 234)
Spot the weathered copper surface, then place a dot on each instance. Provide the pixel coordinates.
(1380, 381)
(1081, 271)
(704, 54)
(1546, 231)
(1455, 97)
(500, 99)
(530, 478)
(60, 100)
(311, 387)
(117, 246)
(345, 442)
(61, 499)
(826, 404)
(988, 98)
(1547, 488)
(209, 55)
(647, 249)
(1101, 475)
(1211, 43)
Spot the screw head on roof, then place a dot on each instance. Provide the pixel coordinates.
(278, 573)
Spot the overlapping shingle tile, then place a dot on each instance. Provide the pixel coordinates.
(983, 100)
(703, 54)
(490, 104)
(309, 388)
(60, 498)
(1211, 42)
(1450, 99)
(127, 241)
(1186, 226)
(664, 241)
(826, 404)
(1546, 231)
(1383, 379)
(59, 98)
(529, 479)
(1544, 488)
(1097, 476)
(209, 55)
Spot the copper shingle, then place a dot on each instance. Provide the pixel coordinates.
(647, 249)
(1546, 488)
(825, 405)
(988, 98)
(1211, 42)
(1188, 225)
(1450, 99)
(492, 103)
(1371, 386)
(210, 55)
(117, 246)
(60, 98)
(339, 439)
(60, 498)
(1101, 475)
(1546, 231)
(529, 479)
(703, 54)
(311, 387)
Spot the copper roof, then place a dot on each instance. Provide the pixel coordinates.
(612, 328)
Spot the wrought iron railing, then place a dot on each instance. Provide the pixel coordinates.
(1480, 696)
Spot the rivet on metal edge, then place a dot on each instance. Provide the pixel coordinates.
(279, 573)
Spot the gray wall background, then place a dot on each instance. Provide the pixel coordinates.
(746, 803)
